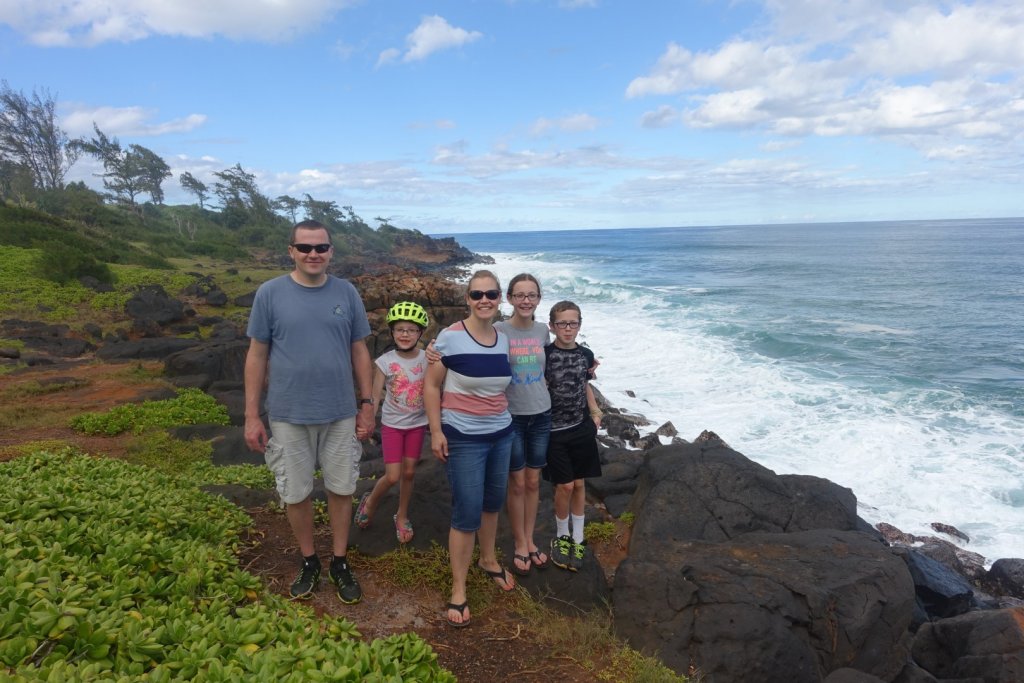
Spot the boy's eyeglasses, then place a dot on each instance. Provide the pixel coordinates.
(404, 331)
(491, 294)
(306, 248)
(532, 296)
(567, 324)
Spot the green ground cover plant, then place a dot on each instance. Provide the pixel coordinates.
(29, 293)
(189, 407)
(127, 279)
(31, 296)
(595, 532)
(190, 460)
(112, 571)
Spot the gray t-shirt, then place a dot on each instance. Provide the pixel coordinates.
(310, 331)
(527, 393)
(402, 407)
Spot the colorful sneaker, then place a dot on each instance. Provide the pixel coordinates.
(349, 591)
(307, 580)
(579, 551)
(561, 552)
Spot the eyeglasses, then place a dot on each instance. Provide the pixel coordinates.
(567, 324)
(406, 330)
(491, 294)
(532, 296)
(306, 248)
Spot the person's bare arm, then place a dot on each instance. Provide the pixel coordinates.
(595, 410)
(377, 393)
(255, 378)
(432, 402)
(362, 368)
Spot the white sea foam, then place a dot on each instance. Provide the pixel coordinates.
(912, 456)
(843, 327)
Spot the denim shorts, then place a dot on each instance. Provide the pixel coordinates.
(530, 435)
(294, 451)
(478, 475)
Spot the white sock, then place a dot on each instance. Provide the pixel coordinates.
(577, 528)
(561, 526)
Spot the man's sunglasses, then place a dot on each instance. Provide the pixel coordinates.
(306, 248)
(491, 294)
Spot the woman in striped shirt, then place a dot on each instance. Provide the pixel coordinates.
(471, 433)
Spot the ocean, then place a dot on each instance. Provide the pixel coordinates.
(887, 357)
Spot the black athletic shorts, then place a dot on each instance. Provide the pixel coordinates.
(572, 454)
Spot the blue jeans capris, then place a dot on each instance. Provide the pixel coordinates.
(478, 475)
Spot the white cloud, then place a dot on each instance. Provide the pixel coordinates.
(59, 23)
(949, 153)
(432, 34)
(906, 71)
(132, 121)
(388, 56)
(577, 123)
(778, 145)
(663, 117)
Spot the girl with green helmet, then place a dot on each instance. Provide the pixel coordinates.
(398, 391)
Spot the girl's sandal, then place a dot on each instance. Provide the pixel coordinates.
(524, 559)
(403, 531)
(536, 561)
(361, 519)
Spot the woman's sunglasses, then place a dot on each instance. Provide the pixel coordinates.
(491, 294)
(306, 248)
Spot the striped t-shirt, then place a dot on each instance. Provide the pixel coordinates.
(473, 405)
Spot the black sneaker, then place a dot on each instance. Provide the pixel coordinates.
(579, 551)
(349, 591)
(307, 580)
(561, 552)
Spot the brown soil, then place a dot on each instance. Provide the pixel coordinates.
(497, 646)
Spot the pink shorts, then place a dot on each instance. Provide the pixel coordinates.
(401, 443)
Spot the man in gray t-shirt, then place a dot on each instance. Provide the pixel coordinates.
(308, 331)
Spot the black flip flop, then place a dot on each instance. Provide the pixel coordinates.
(501, 574)
(461, 609)
(538, 564)
(524, 559)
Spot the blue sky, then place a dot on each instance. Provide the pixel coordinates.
(477, 115)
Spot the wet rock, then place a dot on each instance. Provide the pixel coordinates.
(981, 646)
(1006, 577)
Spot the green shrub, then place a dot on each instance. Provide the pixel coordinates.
(62, 263)
(190, 406)
(113, 571)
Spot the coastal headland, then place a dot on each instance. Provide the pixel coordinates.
(712, 563)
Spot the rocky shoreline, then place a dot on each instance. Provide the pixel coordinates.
(731, 569)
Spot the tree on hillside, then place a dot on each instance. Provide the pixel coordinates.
(194, 186)
(241, 199)
(16, 180)
(127, 173)
(290, 205)
(327, 212)
(154, 171)
(30, 137)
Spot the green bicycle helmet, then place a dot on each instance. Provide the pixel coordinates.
(407, 310)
